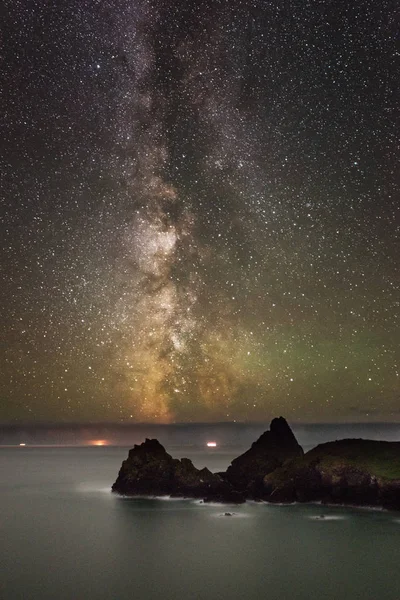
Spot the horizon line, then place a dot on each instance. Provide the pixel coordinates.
(235, 423)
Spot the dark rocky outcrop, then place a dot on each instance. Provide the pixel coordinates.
(352, 472)
(150, 471)
(272, 449)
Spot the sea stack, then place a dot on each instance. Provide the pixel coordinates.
(272, 449)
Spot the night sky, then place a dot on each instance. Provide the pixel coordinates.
(200, 210)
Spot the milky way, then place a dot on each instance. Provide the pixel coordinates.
(200, 211)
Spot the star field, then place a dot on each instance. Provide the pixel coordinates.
(200, 211)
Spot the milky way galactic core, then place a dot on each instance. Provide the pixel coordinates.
(200, 211)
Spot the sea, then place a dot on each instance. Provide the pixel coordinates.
(65, 536)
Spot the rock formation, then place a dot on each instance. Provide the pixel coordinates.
(354, 471)
(150, 471)
(272, 449)
(351, 472)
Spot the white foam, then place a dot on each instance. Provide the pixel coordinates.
(328, 518)
(165, 498)
(170, 498)
(233, 515)
(91, 489)
(215, 504)
(347, 507)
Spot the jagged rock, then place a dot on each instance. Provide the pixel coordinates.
(272, 449)
(351, 472)
(150, 470)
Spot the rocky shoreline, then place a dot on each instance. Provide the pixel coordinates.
(352, 472)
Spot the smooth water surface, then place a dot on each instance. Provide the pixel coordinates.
(63, 535)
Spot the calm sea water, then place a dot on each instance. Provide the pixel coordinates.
(63, 535)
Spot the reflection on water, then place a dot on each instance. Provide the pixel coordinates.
(66, 536)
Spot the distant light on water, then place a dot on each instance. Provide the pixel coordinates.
(211, 444)
(22, 444)
(98, 442)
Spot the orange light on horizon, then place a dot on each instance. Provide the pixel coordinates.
(98, 442)
(211, 444)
